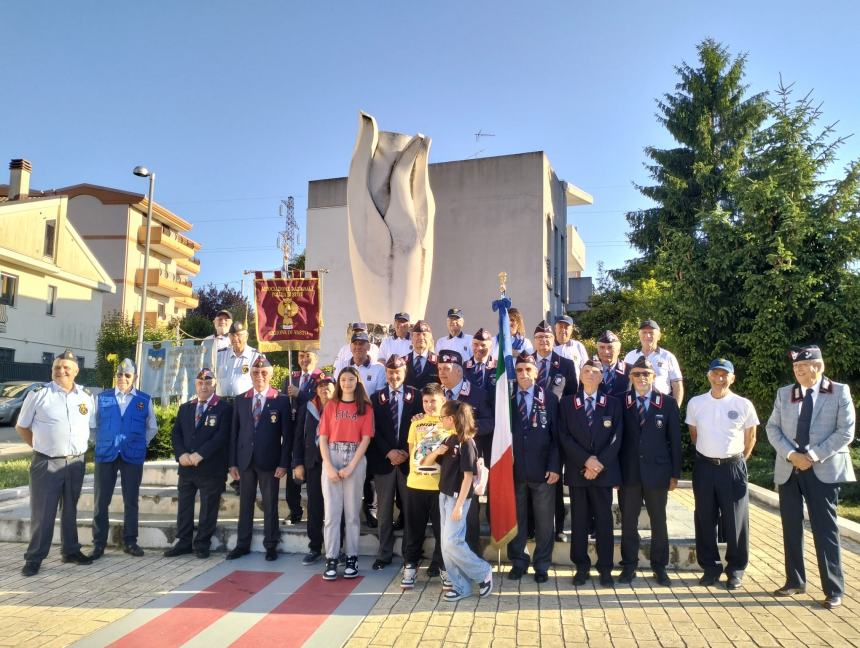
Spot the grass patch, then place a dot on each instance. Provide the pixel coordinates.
(16, 472)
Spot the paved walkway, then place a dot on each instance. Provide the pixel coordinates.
(119, 595)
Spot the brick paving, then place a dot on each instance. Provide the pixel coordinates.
(644, 614)
(65, 603)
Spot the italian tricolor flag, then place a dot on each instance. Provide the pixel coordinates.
(503, 506)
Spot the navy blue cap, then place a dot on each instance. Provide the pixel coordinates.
(649, 323)
(359, 326)
(455, 313)
(564, 319)
(721, 363)
(359, 336)
(808, 352)
(401, 317)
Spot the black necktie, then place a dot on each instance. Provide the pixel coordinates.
(394, 416)
(479, 373)
(449, 395)
(418, 364)
(524, 411)
(803, 422)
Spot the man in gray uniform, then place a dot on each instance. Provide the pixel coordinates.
(55, 422)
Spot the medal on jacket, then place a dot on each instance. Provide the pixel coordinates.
(140, 405)
(273, 417)
(211, 420)
(82, 408)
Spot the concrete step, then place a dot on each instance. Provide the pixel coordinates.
(158, 533)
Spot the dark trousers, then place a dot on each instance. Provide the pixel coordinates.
(53, 483)
(293, 495)
(721, 490)
(421, 506)
(473, 525)
(387, 486)
(105, 483)
(630, 500)
(543, 505)
(368, 495)
(248, 480)
(592, 503)
(210, 488)
(316, 507)
(821, 500)
(560, 509)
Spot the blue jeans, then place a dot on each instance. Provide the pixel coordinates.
(463, 565)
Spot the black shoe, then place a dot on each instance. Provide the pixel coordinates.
(77, 558)
(709, 579)
(133, 550)
(581, 577)
(330, 572)
(790, 590)
(516, 572)
(433, 570)
(97, 553)
(271, 554)
(235, 486)
(560, 537)
(295, 518)
(311, 557)
(733, 583)
(399, 523)
(606, 579)
(178, 550)
(541, 577)
(627, 575)
(832, 602)
(202, 553)
(237, 553)
(662, 578)
(30, 568)
(380, 564)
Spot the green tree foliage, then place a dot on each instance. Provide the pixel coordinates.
(212, 299)
(118, 336)
(161, 447)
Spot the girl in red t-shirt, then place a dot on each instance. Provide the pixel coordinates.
(345, 430)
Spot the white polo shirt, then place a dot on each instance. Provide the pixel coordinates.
(666, 367)
(59, 420)
(462, 344)
(344, 356)
(394, 346)
(720, 423)
(234, 371)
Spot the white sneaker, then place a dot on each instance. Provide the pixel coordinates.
(409, 574)
(447, 585)
(486, 586)
(351, 569)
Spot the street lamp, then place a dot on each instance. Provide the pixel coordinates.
(143, 172)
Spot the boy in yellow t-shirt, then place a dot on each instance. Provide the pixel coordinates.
(422, 488)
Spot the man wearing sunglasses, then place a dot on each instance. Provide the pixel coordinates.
(650, 458)
(124, 421)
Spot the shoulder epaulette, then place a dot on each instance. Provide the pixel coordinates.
(40, 387)
(87, 391)
(826, 386)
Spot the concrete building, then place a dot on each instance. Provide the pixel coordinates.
(112, 222)
(579, 288)
(498, 214)
(52, 286)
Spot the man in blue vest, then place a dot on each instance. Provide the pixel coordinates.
(125, 423)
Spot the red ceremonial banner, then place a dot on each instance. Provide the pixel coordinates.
(288, 311)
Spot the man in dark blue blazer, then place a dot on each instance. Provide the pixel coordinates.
(456, 387)
(388, 454)
(300, 386)
(201, 437)
(421, 368)
(650, 459)
(557, 375)
(537, 467)
(260, 445)
(480, 369)
(591, 430)
(615, 379)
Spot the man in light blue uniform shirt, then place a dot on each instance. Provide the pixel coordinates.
(234, 364)
(55, 422)
(125, 423)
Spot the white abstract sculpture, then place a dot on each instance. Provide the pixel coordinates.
(391, 213)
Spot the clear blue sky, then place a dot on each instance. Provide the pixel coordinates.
(236, 105)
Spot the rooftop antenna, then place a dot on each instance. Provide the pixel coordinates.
(289, 237)
(481, 134)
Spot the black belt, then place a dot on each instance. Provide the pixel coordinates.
(66, 457)
(717, 461)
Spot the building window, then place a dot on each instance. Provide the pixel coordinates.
(47, 357)
(162, 312)
(50, 237)
(7, 355)
(80, 362)
(8, 289)
(52, 299)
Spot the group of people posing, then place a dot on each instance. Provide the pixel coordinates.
(411, 420)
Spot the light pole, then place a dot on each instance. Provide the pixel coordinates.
(143, 172)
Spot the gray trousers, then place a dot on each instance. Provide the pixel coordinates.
(54, 482)
(543, 504)
(386, 485)
(343, 498)
(105, 483)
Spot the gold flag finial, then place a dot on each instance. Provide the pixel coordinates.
(503, 280)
